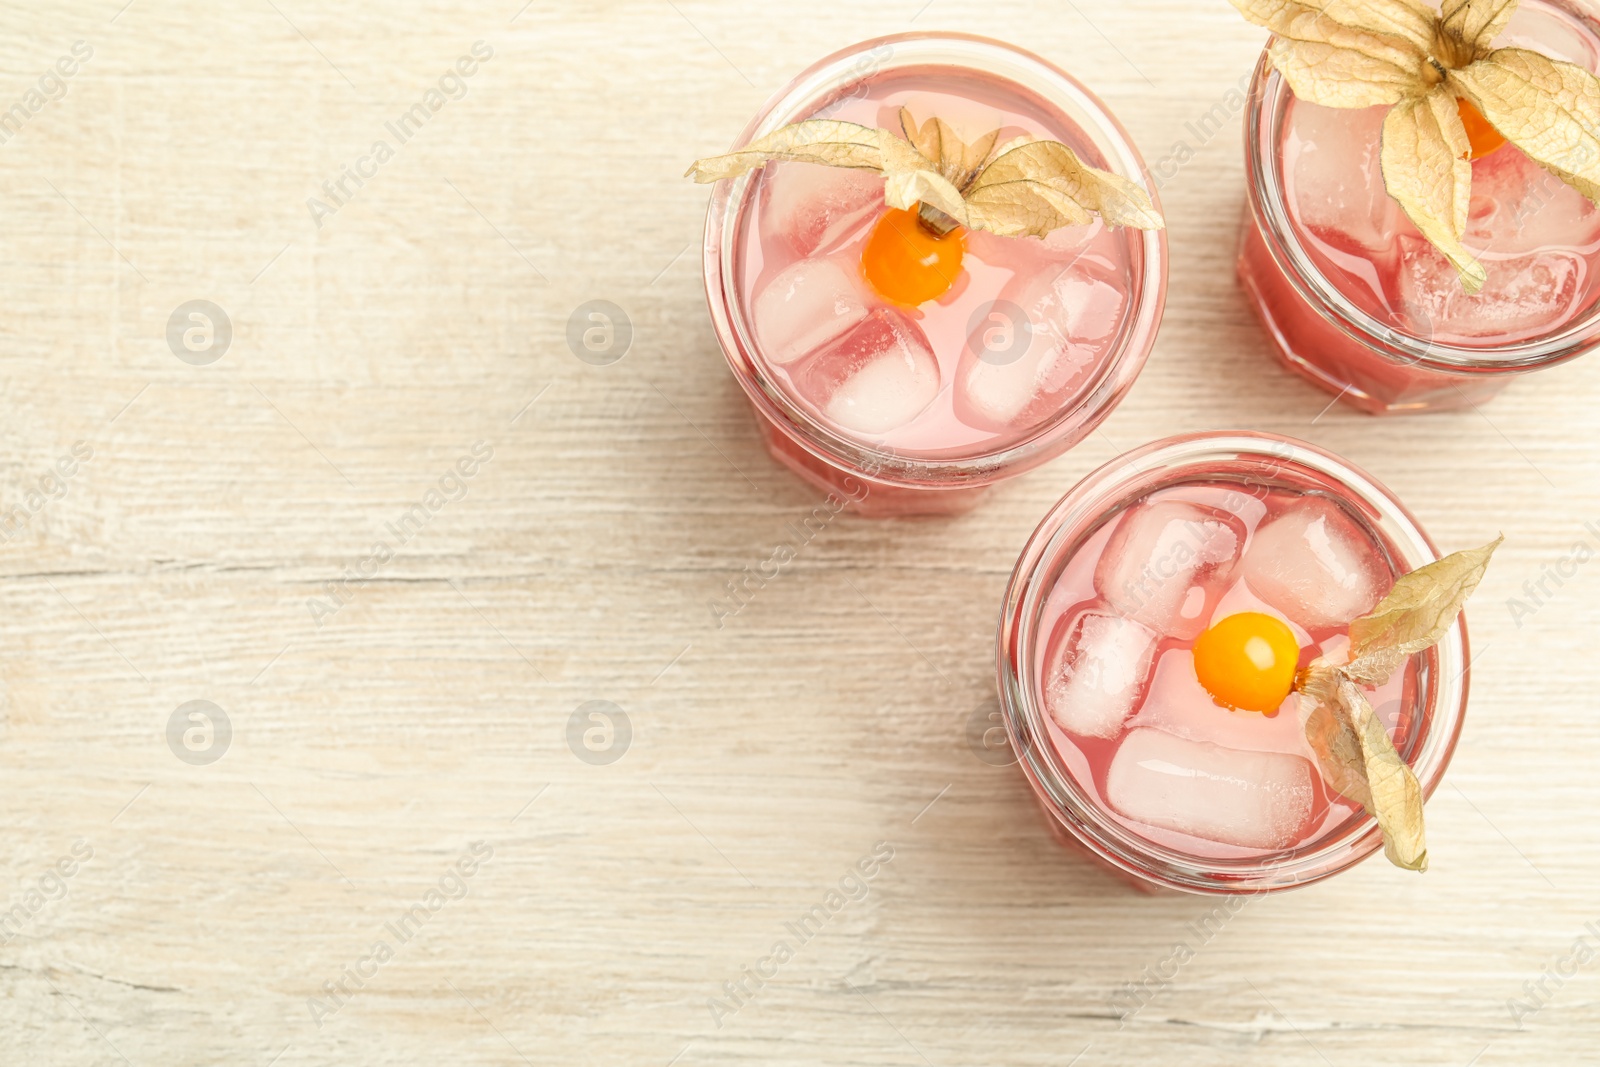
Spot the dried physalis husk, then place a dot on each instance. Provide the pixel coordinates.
(1026, 187)
(1352, 745)
(1033, 187)
(1421, 62)
(937, 141)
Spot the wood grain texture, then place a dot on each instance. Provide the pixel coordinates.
(768, 756)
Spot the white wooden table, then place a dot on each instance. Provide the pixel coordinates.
(208, 903)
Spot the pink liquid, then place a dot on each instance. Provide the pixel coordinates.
(1028, 329)
(1538, 239)
(1173, 704)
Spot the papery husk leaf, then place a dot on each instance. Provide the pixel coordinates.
(1425, 170)
(1549, 109)
(1025, 210)
(1332, 738)
(937, 141)
(1358, 759)
(825, 141)
(1015, 142)
(1476, 23)
(1411, 21)
(1416, 614)
(976, 158)
(1336, 63)
(929, 138)
(1032, 187)
(909, 177)
(1341, 77)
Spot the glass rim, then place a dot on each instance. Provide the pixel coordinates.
(1443, 681)
(1265, 114)
(1055, 435)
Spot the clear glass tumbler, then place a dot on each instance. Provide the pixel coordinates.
(940, 464)
(1426, 709)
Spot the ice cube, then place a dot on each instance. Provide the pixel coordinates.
(1177, 703)
(1049, 253)
(1334, 183)
(876, 378)
(1098, 674)
(806, 305)
(1070, 241)
(1240, 599)
(1167, 563)
(812, 207)
(1039, 343)
(1519, 207)
(1313, 564)
(1524, 295)
(1248, 799)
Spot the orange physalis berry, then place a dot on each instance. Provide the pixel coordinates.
(1482, 137)
(907, 263)
(1247, 661)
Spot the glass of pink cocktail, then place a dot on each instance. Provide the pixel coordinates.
(1128, 754)
(1357, 301)
(901, 406)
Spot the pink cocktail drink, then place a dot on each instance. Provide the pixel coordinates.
(902, 405)
(1354, 297)
(1130, 755)
(1126, 708)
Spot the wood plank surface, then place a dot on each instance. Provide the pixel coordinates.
(210, 908)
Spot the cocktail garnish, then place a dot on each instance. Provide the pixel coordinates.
(1023, 188)
(1352, 744)
(1247, 661)
(1421, 62)
(907, 263)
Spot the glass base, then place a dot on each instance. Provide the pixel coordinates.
(862, 494)
(1128, 880)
